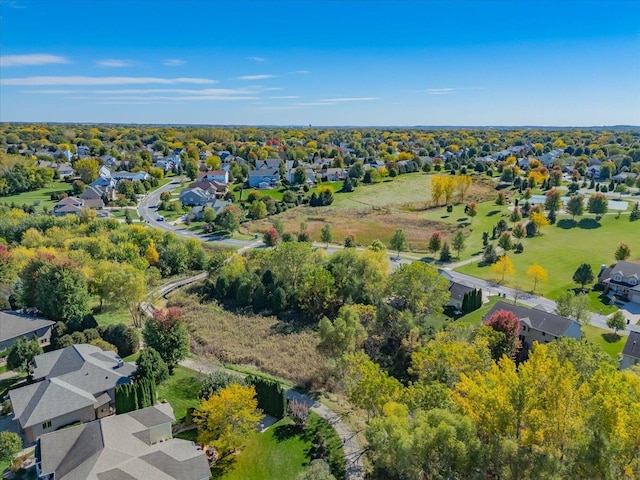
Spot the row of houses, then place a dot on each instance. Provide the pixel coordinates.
(76, 385)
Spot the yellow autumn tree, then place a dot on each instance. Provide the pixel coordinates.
(226, 418)
(152, 256)
(462, 186)
(539, 220)
(538, 274)
(503, 267)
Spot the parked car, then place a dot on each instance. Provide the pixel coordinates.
(160, 218)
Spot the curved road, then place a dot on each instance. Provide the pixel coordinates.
(353, 451)
(147, 209)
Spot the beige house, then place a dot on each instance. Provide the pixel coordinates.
(133, 446)
(623, 279)
(74, 384)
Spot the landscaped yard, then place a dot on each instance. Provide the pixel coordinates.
(40, 198)
(475, 317)
(281, 452)
(560, 250)
(608, 341)
(181, 390)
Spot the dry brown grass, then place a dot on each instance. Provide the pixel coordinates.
(252, 340)
(370, 223)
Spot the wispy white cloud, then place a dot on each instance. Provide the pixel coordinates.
(279, 107)
(92, 81)
(30, 60)
(114, 63)
(349, 99)
(313, 104)
(163, 98)
(152, 102)
(256, 59)
(284, 97)
(255, 77)
(12, 4)
(173, 62)
(440, 91)
(301, 72)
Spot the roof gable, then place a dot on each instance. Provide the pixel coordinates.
(15, 325)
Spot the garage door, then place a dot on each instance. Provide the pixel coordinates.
(635, 298)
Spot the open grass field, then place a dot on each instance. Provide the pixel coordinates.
(40, 198)
(606, 339)
(376, 211)
(562, 248)
(280, 452)
(264, 342)
(181, 390)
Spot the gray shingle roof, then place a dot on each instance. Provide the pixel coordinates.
(36, 403)
(72, 378)
(632, 347)
(113, 448)
(15, 325)
(535, 318)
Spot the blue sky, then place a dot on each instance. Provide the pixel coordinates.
(321, 62)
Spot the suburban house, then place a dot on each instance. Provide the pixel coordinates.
(269, 163)
(217, 205)
(132, 176)
(196, 196)
(264, 178)
(623, 279)
(16, 325)
(333, 174)
(221, 176)
(73, 205)
(214, 187)
(538, 325)
(83, 150)
(74, 384)
(631, 351)
(457, 292)
(95, 193)
(133, 446)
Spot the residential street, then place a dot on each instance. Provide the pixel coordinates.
(147, 210)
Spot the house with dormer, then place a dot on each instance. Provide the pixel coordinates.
(623, 280)
(74, 384)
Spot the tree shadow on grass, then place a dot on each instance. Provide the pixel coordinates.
(588, 224)
(611, 337)
(492, 213)
(285, 432)
(222, 467)
(567, 223)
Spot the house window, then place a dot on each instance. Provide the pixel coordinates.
(544, 334)
(46, 425)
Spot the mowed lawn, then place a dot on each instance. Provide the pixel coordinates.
(181, 390)
(561, 250)
(606, 339)
(376, 211)
(40, 198)
(407, 188)
(280, 452)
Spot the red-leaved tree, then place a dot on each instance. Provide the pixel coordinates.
(508, 326)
